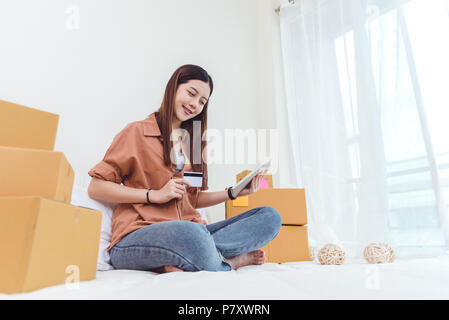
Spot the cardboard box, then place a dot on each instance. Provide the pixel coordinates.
(25, 127)
(45, 242)
(290, 203)
(291, 244)
(32, 172)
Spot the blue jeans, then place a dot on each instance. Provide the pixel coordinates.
(194, 247)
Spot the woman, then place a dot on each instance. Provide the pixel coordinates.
(156, 225)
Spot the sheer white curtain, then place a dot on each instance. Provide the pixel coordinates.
(367, 87)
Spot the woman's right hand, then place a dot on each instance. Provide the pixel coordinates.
(174, 188)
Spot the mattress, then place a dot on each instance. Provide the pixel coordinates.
(412, 278)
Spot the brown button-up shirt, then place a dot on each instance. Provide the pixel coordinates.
(135, 158)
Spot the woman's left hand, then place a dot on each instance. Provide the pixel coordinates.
(253, 186)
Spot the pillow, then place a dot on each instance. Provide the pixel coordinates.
(81, 198)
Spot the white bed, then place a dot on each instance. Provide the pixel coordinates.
(418, 278)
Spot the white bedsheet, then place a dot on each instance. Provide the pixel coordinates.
(417, 278)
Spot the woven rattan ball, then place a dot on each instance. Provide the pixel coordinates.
(378, 253)
(331, 254)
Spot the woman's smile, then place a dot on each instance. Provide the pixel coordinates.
(187, 111)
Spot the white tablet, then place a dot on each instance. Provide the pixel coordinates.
(247, 179)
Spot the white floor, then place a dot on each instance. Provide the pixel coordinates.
(418, 278)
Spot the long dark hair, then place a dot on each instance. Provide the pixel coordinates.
(165, 114)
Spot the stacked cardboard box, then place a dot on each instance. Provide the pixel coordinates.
(44, 240)
(291, 244)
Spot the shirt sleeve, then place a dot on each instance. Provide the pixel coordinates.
(118, 161)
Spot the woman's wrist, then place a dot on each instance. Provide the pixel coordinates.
(150, 196)
(230, 196)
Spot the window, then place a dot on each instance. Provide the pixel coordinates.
(409, 55)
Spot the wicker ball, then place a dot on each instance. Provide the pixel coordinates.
(378, 253)
(331, 254)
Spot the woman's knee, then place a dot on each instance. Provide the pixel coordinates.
(272, 219)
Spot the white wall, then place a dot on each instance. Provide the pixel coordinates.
(102, 64)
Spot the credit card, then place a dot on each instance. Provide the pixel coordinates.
(194, 178)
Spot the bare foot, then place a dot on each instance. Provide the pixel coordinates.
(256, 257)
(166, 269)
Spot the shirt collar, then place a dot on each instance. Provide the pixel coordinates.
(151, 128)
